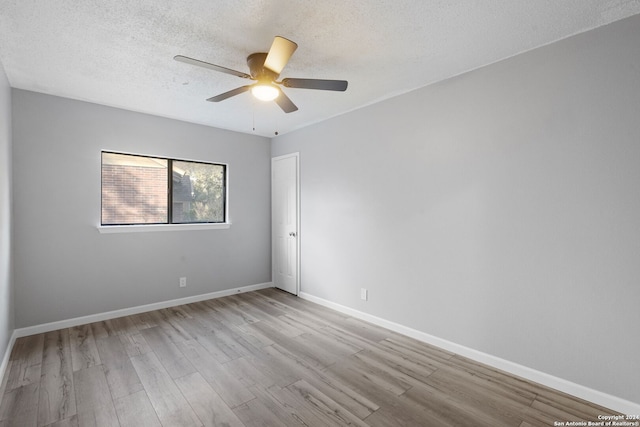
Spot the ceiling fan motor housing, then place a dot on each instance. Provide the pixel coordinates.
(258, 71)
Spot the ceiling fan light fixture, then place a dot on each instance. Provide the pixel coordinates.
(265, 91)
(264, 70)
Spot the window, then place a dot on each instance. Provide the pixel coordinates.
(153, 190)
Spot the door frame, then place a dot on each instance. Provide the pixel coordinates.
(273, 160)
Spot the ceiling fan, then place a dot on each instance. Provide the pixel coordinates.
(265, 68)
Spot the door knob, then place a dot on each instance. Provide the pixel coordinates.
(292, 234)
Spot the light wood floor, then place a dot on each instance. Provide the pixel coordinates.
(263, 358)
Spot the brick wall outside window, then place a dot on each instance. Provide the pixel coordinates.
(134, 194)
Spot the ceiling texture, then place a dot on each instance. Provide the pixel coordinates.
(120, 53)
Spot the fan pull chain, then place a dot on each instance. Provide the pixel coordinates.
(253, 114)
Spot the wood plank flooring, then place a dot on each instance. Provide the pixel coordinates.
(263, 358)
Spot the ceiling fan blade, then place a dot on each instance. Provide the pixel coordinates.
(337, 85)
(234, 92)
(285, 103)
(213, 67)
(279, 54)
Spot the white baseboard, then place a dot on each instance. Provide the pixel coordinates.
(577, 390)
(76, 321)
(5, 359)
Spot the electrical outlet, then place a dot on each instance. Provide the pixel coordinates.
(183, 282)
(364, 294)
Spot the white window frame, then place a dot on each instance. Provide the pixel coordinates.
(146, 228)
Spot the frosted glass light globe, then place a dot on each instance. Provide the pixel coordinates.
(265, 92)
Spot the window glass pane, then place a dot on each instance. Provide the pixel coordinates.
(198, 192)
(134, 189)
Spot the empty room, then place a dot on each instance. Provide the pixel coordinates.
(290, 213)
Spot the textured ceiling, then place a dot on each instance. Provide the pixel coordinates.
(120, 53)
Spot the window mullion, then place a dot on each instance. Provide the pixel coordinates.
(170, 192)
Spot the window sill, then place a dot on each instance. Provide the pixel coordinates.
(106, 229)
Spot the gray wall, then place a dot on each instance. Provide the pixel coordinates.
(64, 268)
(6, 284)
(498, 210)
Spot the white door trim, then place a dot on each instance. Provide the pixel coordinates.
(298, 233)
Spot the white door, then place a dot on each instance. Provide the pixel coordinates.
(284, 218)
